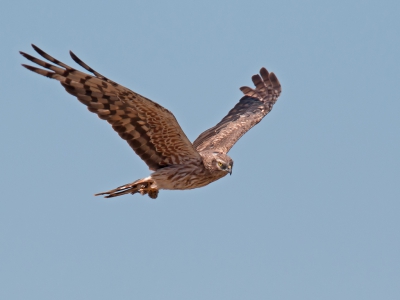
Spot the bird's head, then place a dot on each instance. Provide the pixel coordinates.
(222, 162)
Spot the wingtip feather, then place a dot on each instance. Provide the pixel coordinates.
(85, 66)
(23, 53)
(39, 71)
(37, 49)
(275, 83)
(79, 61)
(28, 67)
(257, 81)
(73, 56)
(274, 79)
(264, 74)
(247, 91)
(28, 56)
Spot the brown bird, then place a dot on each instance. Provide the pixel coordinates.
(153, 132)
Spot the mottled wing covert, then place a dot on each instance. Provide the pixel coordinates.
(250, 110)
(151, 130)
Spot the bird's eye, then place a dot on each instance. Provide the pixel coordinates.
(220, 164)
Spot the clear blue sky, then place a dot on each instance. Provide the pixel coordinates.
(312, 208)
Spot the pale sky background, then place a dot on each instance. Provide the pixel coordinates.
(311, 210)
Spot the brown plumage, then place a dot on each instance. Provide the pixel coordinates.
(153, 132)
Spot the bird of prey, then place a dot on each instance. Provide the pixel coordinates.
(153, 132)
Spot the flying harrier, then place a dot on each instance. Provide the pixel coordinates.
(153, 132)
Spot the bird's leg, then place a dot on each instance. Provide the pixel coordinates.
(153, 193)
(147, 189)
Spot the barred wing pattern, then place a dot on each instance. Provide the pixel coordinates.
(250, 110)
(151, 130)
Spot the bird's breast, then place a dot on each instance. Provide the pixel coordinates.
(184, 177)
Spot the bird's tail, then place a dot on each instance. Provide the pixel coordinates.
(143, 186)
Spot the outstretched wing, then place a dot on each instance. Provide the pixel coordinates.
(250, 110)
(151, 130)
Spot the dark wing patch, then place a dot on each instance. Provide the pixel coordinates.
(250, 110)
(151, 130)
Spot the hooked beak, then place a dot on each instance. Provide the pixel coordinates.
(230, 170)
